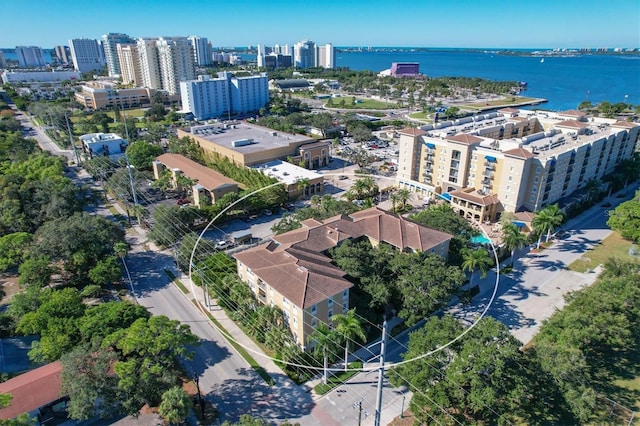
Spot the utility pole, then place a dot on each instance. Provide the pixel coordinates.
(73, 145)
(358, 405)
(383, 345)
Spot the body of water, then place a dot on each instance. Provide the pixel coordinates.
(564, 80)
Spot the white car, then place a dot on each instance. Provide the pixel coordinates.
(223, 245)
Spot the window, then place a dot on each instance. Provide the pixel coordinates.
(314, 309)
(534, 189)
(345, 306)
(314, 322)
(345, 294)
(506, 197)
(532, 198)
(511, 168)
(510, 178)
(508, 187)
(330, 314)
(330, 302)
(536, 179)
(538, 170)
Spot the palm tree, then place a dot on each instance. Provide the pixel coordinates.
(475, 259)
(629, 169)
(593, 189)
(121, 250)
(348, 327)
(546, 220)
(325, 342)
(395, 199)
(403, 196)
(513, 239)
(303, 184)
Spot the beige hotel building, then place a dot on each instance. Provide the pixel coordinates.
(511, 160)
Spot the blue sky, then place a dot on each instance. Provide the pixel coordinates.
(423, 23)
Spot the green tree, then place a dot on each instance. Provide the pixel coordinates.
(513, 239)
(626, 219)
(106, 272)
(175, 405)
(349, 328)
(481, 379)
(324, 341)
(55, 320)
(142, 154)
(148, 354)
(473, 260)
(12, 249)
(186, 146)
(88, 381)
(35, 272)
(546, 220)
(104, 319)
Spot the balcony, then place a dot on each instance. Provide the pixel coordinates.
(488, 174)
(489, 165)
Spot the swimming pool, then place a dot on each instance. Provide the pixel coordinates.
(480, 239)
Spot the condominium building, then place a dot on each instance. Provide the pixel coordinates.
(109, 44)
(130, 68)
(304, 54)
(512, 160)
(294, 273)
(87, 54)
(29, 56)
(63, 53)
(209, 97)
(176, 58)
(202, 52)
(326, 56)
(2, 64)
(149, 63)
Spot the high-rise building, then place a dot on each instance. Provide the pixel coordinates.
(130, 69)
(2, 64)
(109, 44)
(326, 56)
(87, 54)
(209, 97)
(29, 56)
(304, 54)
(63, 54)
(176, 58)
(201, 50)
(149, 63)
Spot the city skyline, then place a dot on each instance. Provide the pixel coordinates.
(468, 23)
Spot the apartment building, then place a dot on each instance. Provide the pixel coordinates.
(511, 160)
(149, 63)
(209, 97)
(202, 52)
(109, 44)
(86, 54)
(326, 56)
(294, 273)
(30, 56)
(63, 54)
(129, 60)
(176, 59)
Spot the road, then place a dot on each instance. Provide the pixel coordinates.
(525, 298)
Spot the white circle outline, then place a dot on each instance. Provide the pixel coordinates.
(363, 368)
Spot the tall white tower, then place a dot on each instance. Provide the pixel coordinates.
(109, 44)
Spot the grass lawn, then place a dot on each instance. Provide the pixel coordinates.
(338, 378)
(421, 116)
(361, 104)
(508, 100)
(612, 246)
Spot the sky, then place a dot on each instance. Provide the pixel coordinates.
(415, 23)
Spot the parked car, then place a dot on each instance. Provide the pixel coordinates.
(343, 177)
(223, 244)
(267, 212)
(561, 235)
(182, 201)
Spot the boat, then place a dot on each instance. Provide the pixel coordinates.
(542, 60)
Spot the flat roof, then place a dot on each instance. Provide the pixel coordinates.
(286, 172)
(259, 138)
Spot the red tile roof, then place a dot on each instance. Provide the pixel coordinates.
(412, 131)
(465, 138)
(206, 177)
(572, 113)
(519, 153)
(294, 263)
(32, 390)
(474, 197)
(574, 124)
(624, 124)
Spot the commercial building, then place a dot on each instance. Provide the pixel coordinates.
(247, 144)
(315, 290)
(30, 56)
(103, 144)
(87, 54)
(202, 52)
(226, 95)
(109, 44)
(209, 185)
(39, 76)
(99, 95)
(405, 69)
(291, 175)
(511, 160)
(129, 59)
